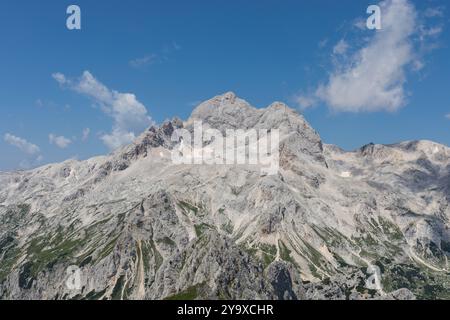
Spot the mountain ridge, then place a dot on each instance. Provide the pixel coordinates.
(140, 227)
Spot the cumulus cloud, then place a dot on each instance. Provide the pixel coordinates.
(118, 137)
(32, 151)
(129, 115)
(22, 144)
(373, 77)
(60, 141)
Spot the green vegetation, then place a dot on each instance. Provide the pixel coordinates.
(44, 254)
(201, 228)
(314, 255)
(118, 288)
(157, 256)
(391, 230)
(15, 215)
(251, 251)
(228, 227)
(333, 238)
(107, 249)
(167, 240)
(268, 248)
(285, 253)
(24, 209)
(10, 257)
(146, 254)
(187, 207)
(61, 246)
(269, 253)
(190, 293)
(239, 233)
(424, 283)
(340, 260)
(95, 295)
(267, 259)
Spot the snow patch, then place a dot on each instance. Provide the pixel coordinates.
(346, 174)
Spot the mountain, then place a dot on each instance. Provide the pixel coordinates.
(368, 224)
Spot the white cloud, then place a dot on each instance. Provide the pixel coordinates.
(60, 141)
(129, 115)
(118, 137)
(59, 77)
(373, 77)
(305, 101)
(22, 144)
(430, 32)
(418, 65)
(32, 151)
(86, 133)
(144, 61)
(31, 163)
(447, 116)
(341, 47)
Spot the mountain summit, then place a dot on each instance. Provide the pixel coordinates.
(135, 225)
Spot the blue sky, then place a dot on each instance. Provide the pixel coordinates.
(171, 54)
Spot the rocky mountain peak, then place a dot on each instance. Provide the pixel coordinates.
(139, 226)
(224, 108)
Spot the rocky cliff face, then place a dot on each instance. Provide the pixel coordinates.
(139, 226)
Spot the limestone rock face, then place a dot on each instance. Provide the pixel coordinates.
(136, 225)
